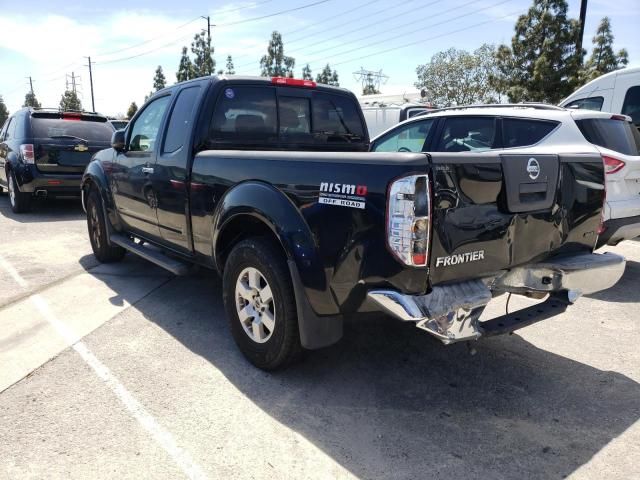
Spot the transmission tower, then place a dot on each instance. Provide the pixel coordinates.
(73, 83)
(370, 80)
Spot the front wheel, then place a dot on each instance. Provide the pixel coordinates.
(260, 304)
(98, 233)
(20, 202)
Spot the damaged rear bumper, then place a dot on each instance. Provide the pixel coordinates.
(451, 312)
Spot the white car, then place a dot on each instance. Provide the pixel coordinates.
(537, 129)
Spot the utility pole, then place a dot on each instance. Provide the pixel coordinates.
(93, 104)
(583, 16)
(208, 27)
(31, 85)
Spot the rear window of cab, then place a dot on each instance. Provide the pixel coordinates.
(253, 115)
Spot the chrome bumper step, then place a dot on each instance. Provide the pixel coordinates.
(451, 312)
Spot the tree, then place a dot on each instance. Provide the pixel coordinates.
(30, 100)
(603, 59)
(203, 62)
(458, 77)
(4, 112)
(370, 86)
(131, 111)
(275, 63)
(159, 80)
(230, 68)
(328, 76)
(70, 101)
(542, 64)
(306, 73)
(186, 70)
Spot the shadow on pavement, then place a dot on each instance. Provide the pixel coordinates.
(626, 290)
(44, 210)
(390, 402)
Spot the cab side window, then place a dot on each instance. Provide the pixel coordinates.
(144, 130)
(467, 134)
(631, 105)
(178, 128)
(408, 138)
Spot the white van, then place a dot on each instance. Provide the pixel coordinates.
(380, 118)
(615, 92)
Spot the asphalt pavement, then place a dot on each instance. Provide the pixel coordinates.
(124, 371)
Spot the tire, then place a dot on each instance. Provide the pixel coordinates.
(20, 202)
(268, 337)
(96, 225)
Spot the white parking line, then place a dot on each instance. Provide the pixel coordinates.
(137, 410)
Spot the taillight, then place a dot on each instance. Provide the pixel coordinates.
(623, 118)
(409, 220)
(293, 82)
(26, 150)
(612, 165)
(71, 116)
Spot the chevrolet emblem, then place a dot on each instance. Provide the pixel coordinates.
(81, 148)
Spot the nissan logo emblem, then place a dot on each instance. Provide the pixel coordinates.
(533, 168)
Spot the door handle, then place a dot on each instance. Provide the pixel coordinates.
(147, 169)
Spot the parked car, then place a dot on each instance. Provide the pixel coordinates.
(382, 117)
(619, 144)
(523, 127)
(268, 181)
(119, 124)
(616, 92)
(43, 152)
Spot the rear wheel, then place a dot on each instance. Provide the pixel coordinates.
(98, 233)
(20, 202)
(260, 304)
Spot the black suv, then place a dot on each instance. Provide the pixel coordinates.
(43, 152)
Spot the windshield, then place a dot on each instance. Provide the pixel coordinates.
(58, 127)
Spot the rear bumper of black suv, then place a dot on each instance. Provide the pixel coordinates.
(451, 312)
(30, 180)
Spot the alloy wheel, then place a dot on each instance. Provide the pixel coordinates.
(255, 305)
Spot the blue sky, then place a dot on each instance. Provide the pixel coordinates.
(49, 38)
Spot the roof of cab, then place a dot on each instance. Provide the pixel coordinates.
(246, 79)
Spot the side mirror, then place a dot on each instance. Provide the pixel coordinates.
(118, 141)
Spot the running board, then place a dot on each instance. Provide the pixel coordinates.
(556, 303)
(151, 254)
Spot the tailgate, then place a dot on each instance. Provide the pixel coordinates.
(65, 157)
(493, 211)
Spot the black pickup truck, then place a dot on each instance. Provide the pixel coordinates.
(269, 182)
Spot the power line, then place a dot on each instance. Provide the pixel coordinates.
(406, 33)
(325, 40)
(245, 7)
(324, 20)
(173, 42)
(282, 12)
(332, 17)
(425, 39)
(373, 24)
(363, 17)
(147, 41)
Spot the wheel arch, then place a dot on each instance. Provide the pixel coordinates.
(259, 209)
